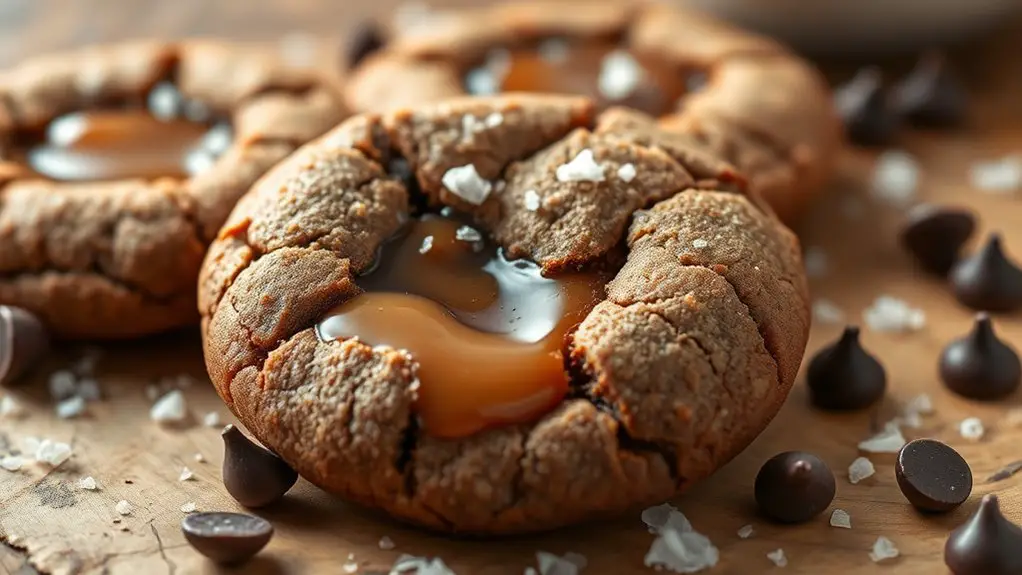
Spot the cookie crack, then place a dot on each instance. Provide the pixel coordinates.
(94, 271)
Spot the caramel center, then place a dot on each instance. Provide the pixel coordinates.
(487, 333)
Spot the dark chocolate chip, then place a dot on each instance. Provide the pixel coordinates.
(931, 95)
(980, 365)
(988, 280)
(368, 38)
(254, 476)
(794, 486)
(227, 538)
(934, 235)
(24, 340)
(986, 544)
(932, 475)
(863, 105)
(1005, 472)
(843, 376)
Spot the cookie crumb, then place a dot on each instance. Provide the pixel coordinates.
(531, 200)
(827, 312)
(889, 314)
(972, 429)
(699, 243)
(188, 507)
(778, 558)
(427, 244)
(11, 408)
(745, 531)
(466, 183)
(860, 469)
(123, 507)
(999, 176)
(71, 407)
(840, 518)
(627, 173)
(883, 549)
(88, 483)
(620, 75)
(169, 408)
(386, 543)
(62, 384)
(186, 475)
(815, 261)
(211, 419)
(895, 178)
(11, 463)
(583, 168)
(52, 453)
(890, 440)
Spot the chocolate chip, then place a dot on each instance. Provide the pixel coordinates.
(24, 340)
(794, 486)
(227, 538)
(988, 280)
(934, 235)
(932, 475)
(254, 476)
(986, 544)
(368, 38)
(843, 376)
(980, 365)
(931, 95)
(863, 105)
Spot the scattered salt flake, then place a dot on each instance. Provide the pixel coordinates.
(386, 543)
(699, 243)
(840, 518)
(466, 183)
(921, 404)
(889, 314)
(883, 549)
(420, 566)
(626, 172)
(30, 444)
(494, 120)
(681, 552)
(200, 458)
(620, 75)
(164, 101)
(88, 389)
(52, 453)
(827, 312)
(123, 507)
(550, 564)
(895, 178)
(815, 261)
(468, 234)
(188, 507)
(1000, 176)
(583, 168)
(664, 516)
(70, 407)
(11, 408)
(211, 419)
(745, 531)
(971, 428)
(860, 469)
(427, 244)
(350, 566)
(11, 462)
(482, 82)
(777, 557)
(88, 483)
(62, 384)
(890, 440)
(554, 50)
(169, 408)
(531, 200)
(186, 475)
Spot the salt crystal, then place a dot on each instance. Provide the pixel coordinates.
(199, 160)
(123, 507)
(531, 200)
(71, 407)
(620, 75)
(883, 549)
(169, 408)
(681, 552)
(482, 82)
(895, 178)
(921, 404)
(52, 453)
(30, 444)
(11, 408)
(62, 384)
(427, 244)
(860, 469)
(350, 566)
(777, 557)
(88, 483)
(200, 458)
(11, 462)
(699, 243)
(88, 389)
(186, 475)
(211, 419)
(164, 101)
(745, 532)
(386, 543)
(815, 261)
(218, 139)
(554, 50)
(1000, 176)
(188, 507)
(971, 428)
(827, 312)
(468, 234)
(840, 518)
(888, 314)
(663, 516)
(627, 173)
(583, 168)
(550, 564)
(420, 566)
(493, 120)
(466, 183)
(890, 440)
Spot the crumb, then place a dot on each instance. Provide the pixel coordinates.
(888, 314)
(466, 183)
(840, 518)
(745, 532)
(860, 469)
(88, 483)
(778, 558)
(890, 440)
(626, 173)
(895, 178)
(186, 475)
(123, 507)
(583, 168)
(169, 408)
(883, 549)
(827, 312)
(972, 429)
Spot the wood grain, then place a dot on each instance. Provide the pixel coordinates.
(64, 530)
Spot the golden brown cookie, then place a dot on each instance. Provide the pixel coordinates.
(759, 106)
(118, 164)
(686, 355)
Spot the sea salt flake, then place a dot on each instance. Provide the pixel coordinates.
(169, 408)
(663, 516)
(89, 390)
(468, 234)
(88, 483)
(123, 507)
(815, 261)
(889, 314)
(827, 312)
(164, 101)
(583, 168)
(860, 469)
(71, 407)
(890, 440)
(188, 507)
(883, 549)
(620, 75)
(466, 183)
(350, 566)
(627, 173)
(482, 82)
(186, 475)
(427, 244)
(895, 178)
(840, 518)
(420, 566)
(200, 458)
(52, 453)
(11, 462)
(494, 120)
(386, 543)
(11, 408)
(211, 419)
(550, 564)
(699, 243)
(971, 428)
(62, 384)
(745, 531)
(999, 176)
(777, 557)
(681, 552)
(531, 200)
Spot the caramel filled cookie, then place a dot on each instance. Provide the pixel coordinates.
(118, 164)
(758, 106)
(503, 314)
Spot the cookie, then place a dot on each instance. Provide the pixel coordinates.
(377, 311)
(761, 108)
(119, 163)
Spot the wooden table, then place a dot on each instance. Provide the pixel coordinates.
(50, 525)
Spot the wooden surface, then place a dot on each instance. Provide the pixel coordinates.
(58, 528)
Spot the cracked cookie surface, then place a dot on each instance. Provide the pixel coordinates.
(685, 361)
(118, 258)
